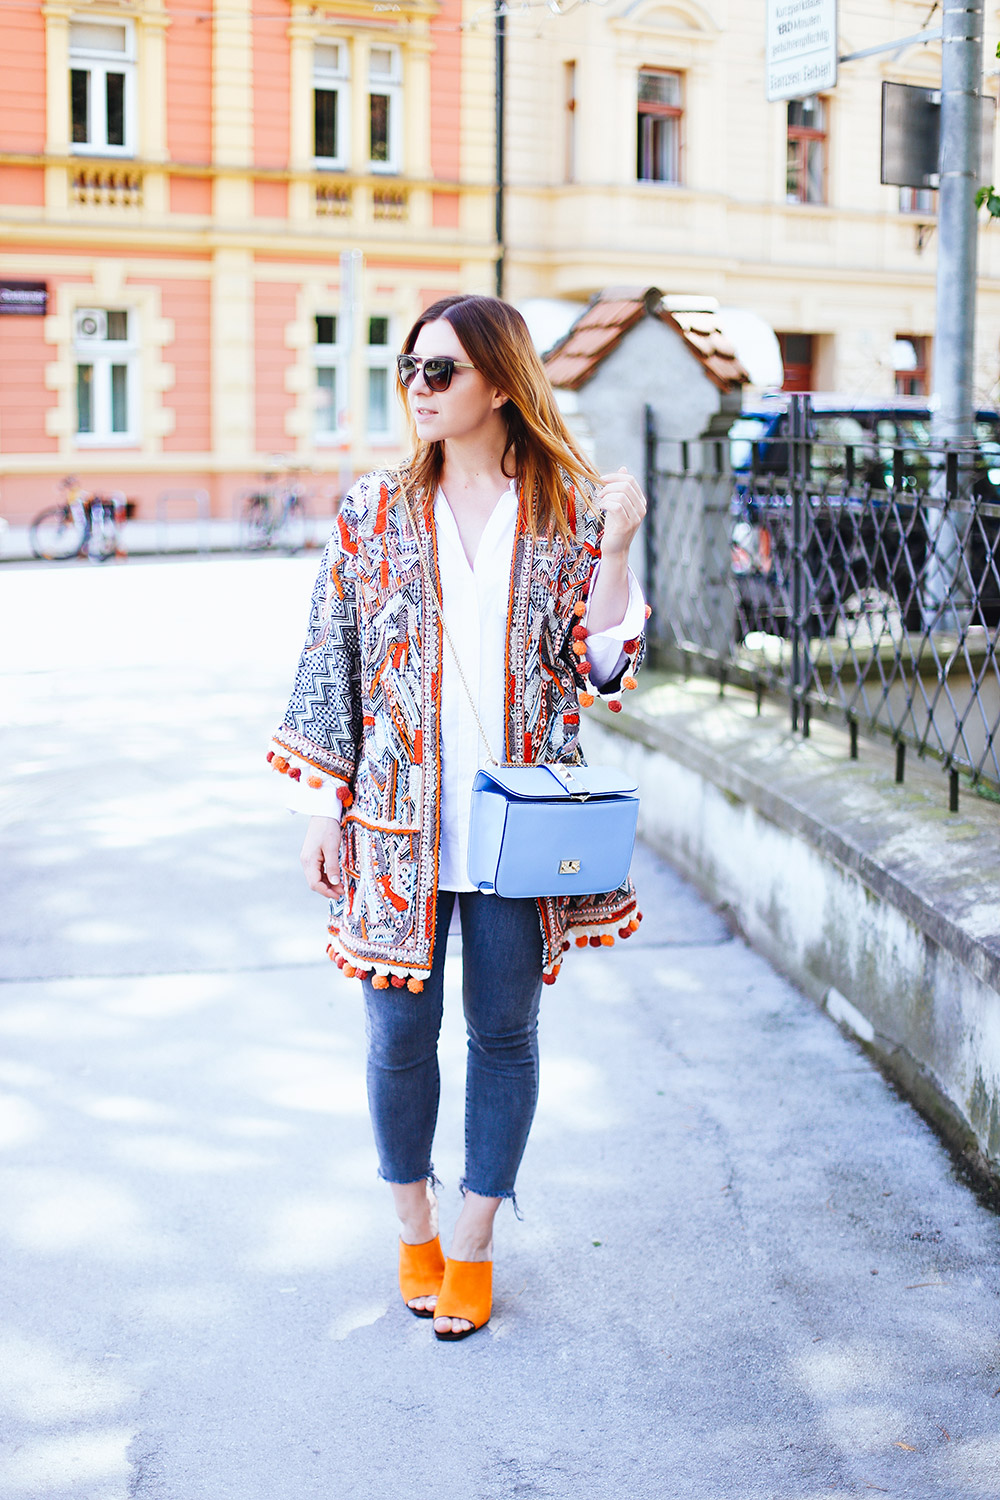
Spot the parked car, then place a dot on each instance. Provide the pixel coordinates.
(867, 536)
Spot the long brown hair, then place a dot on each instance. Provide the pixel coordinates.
(540, 451)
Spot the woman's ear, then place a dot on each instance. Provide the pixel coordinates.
(499, 399)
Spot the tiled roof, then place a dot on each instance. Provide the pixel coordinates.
(616, 310)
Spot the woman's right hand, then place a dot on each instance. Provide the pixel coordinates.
(320, 857)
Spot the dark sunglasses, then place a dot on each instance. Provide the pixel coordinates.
(437, 372)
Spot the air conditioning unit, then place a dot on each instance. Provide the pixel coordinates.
(90, 325)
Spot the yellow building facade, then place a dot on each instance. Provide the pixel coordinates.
(642, 151)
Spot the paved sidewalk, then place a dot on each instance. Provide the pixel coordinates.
(745, 1268)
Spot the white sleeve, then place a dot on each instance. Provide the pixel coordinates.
(604, 648)
(317, 802)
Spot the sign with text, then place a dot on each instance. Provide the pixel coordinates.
(31, 297)
(801, 48)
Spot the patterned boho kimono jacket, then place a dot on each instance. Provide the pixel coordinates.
(364, 712)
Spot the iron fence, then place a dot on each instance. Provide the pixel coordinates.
(857, 576)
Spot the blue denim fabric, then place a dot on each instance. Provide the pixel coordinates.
(502, 983)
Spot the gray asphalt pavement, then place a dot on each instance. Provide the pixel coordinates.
(745, 1267)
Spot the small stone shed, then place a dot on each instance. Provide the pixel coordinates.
(634, 346)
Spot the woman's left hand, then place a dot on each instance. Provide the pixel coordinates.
(624, 506)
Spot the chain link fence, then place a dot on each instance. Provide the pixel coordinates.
(856, 575)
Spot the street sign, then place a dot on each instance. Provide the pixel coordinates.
(911, 130)
(801, 48)
(24, 297)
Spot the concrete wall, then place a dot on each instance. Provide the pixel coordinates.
(870, 895)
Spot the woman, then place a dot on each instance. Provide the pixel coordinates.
(529, 553)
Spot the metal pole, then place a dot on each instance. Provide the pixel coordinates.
(961, 107)
(955, 325)
(798, 422)
(501, 44)
(649, 524)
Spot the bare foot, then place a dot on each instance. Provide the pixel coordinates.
(473, 1241)
(416, 1206)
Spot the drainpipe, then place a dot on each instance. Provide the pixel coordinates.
(501, 42)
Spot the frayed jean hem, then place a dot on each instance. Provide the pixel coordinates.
(429, 1176)
(511, 1197)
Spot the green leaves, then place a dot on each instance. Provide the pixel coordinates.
(988, 198)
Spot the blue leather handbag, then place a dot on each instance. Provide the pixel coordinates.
(551, 830)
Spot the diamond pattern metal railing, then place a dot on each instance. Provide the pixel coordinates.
(866, 591)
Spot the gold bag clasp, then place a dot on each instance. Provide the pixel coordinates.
(569, 867)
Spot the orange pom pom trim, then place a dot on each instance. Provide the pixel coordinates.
(586, 699)
(581, 942)
(628, 683)
(415, 986)
(607, 941)
(315, 782)
(350, 971)
(579, 608)
(280, 763)
(380, 982)
(579, 648)
(633, 926)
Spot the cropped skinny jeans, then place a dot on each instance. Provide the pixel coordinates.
(501, 986)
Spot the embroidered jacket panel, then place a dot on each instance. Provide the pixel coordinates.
(365, 711)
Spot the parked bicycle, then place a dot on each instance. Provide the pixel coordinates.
(276, 515)
(82, 525)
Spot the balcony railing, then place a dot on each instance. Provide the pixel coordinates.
(109, 186)
(334, 200)
(390, 203)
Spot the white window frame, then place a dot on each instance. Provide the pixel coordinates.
(336, 80)
(389, 84)
(102, 355)
(381, 357)
(331, 357)
(97, 62)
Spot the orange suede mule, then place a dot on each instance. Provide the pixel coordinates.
(466, 1292)
(421, 1271)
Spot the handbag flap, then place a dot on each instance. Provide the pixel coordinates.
(547, 782)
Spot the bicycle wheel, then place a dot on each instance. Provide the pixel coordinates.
(256, 522)
(294, 532)
(103, 540)
(57, 534)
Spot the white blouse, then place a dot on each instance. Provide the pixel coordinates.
(474, 601)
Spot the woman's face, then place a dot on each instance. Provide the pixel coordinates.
(469, 404)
